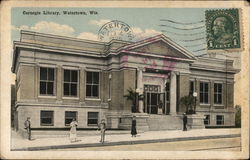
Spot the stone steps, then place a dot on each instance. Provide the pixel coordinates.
(164, 122)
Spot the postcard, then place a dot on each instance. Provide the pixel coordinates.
(125, 80)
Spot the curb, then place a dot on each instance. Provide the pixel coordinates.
(124, 142)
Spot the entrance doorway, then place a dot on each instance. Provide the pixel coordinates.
(154, 100)
(157, 102)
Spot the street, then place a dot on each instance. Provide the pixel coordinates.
(222, 144)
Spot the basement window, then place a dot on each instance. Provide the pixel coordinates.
(92, 118)
(47, 118)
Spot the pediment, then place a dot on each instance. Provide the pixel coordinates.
(159, 45)
(160, 48)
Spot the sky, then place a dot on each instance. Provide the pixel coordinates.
(186, 26)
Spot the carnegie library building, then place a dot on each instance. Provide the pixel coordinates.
(60, 78)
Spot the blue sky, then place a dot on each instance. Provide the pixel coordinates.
(143, 21)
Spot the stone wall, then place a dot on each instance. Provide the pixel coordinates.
(59, 116)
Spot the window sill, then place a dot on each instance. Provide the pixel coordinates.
(205, 104)
(93, 99)
(218, 105)
(46, 96)
(74, 98)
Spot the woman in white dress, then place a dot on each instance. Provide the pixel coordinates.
(72, 133)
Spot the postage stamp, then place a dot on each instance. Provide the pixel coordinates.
(223, 30)
(115, 30)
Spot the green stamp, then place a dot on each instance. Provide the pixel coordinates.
(223, 30)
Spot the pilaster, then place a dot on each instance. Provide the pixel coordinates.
(82, 84)
(140, 87)
(173, 93)
(59, 79)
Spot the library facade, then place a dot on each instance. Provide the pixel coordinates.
(60, 78)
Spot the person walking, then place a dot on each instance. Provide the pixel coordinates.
(27, 125)
(102, 128)
(184, 122)
(72, 133)
(133, 127)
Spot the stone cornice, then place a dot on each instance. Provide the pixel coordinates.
(215, 69)
(106, 50)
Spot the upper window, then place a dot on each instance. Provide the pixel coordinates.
(47, 118)
(218, 93)
(219, 119)
(47, 80)
(70, 82)
(204, 92)
(69, 116)
(207, 120)
(92, 84)
(92, 118)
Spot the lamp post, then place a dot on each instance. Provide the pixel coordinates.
(195, 95)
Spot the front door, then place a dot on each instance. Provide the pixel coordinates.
(154, 100)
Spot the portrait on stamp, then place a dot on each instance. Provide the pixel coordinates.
(223, 29)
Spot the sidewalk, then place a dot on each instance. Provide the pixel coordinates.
(18, 143)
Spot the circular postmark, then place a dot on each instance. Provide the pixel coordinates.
(115, 30)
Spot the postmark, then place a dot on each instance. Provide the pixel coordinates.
(115, 30)
(223, 30)
(167, 64)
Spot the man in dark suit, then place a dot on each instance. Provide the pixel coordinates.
(184, 122)
(27, 125)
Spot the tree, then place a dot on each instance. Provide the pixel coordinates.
(237, 116)
(131, 96)
(188, 101)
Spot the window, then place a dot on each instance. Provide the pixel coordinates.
(191, 87)
(47, 77)
(92, 84)
(207, 120)
(70, 82)
(92, 118)
(219, 119)
(218, 93)
(204, 92)
(69, 116)
(47, 118)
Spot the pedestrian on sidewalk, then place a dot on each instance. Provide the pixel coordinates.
(133, 127)
(27, 125)
(184, 122)
(72, 133)
(102, 128)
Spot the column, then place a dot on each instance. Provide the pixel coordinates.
(140, 88)
(173, 94)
